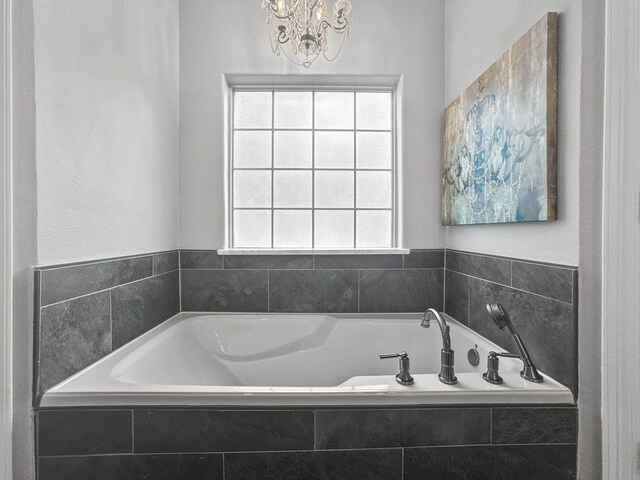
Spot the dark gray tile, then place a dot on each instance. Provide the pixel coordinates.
(456, 296)
(478, 318)
(224, 290)
(138, 307)
(340, 429)
(535, 425)
(337, 465)
(355, 262)
(424, 259)
(266, 262)
(400, 290)
(84, 432)
(545, 325)
(323, 291)
(132, 467)
(544, 280)
(200, 259)
(489, 268)
(60, 284)
(165, 431)
(166, 262)
(531, 462)
(73, 335)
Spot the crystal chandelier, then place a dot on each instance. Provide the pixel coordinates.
(303, 24)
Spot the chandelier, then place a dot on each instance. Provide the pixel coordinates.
(299, 28)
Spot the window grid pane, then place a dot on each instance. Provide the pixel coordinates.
(339, 214)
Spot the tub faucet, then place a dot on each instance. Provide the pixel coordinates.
(501, 318)
(447, 372)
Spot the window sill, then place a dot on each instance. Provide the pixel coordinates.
(353, 251)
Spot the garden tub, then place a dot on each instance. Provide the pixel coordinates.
(272, 360)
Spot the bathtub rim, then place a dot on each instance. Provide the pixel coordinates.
(233, 397)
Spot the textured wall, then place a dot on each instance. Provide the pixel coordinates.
(106, 77)
(211, 46)
(24, 245)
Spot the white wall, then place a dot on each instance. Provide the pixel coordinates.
(5, 253)
(24, 234)
(590, 284)
(107, 127)
(387, 37)
(477, 32)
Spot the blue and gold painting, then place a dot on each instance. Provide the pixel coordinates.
(500, 137)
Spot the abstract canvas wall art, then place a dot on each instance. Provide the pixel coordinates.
(500, 137)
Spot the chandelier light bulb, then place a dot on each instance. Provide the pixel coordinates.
(300, 28)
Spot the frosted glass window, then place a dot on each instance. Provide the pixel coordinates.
(373, 228)
(373, 189)
(293, 149)
(373, 110)
(334, 149)
(312, 168)
(292, 228)
(293, 110)
(252, 188)
(334, 229)
(373, 150)
(334, 110)
(252, 149)
(292, 189)
(252, 109)
(252, 228)
(333, 189)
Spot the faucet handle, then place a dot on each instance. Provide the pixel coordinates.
(404, 376)
(528, 372)
(393, 355)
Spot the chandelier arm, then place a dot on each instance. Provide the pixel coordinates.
(341, 27)
(275, 48)
(324, 54)
(283, 37)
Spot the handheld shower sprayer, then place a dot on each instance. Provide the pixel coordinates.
(501, 318)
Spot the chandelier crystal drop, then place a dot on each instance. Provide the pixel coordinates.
(299, 28)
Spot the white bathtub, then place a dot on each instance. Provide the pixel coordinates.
(292, 360)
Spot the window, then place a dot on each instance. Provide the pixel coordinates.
(312, 168)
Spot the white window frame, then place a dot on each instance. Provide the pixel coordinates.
(314, 83)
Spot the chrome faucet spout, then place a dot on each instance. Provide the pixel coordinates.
(447, 371)
(444, 328)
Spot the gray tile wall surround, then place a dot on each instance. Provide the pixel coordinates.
(86, 310)
(522, 462)
(311, 283)
(374, 443)
(132, 467)
(145, 290)
(527, 442)
(541, 298)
